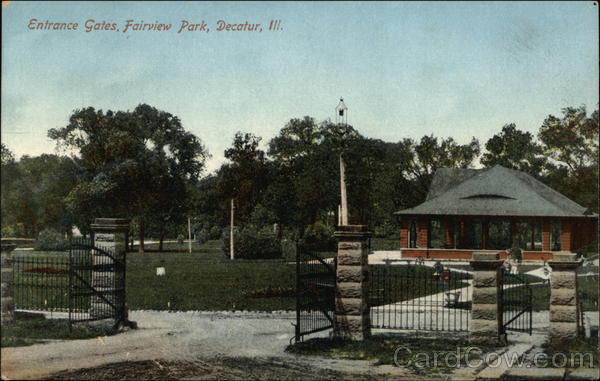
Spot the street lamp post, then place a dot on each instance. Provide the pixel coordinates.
(342, 117)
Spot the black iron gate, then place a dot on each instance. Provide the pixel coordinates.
(315, 293)
(517, 303)
(96, 283)
(407, 294)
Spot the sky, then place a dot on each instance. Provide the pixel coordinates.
(451, 69)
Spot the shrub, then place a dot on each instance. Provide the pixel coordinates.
(214, 232)
(252, 243)
(588, 250)
(515, 252)
(202, 236)
(319, 238)
(386, 230)
(51, 240)
(8, 231)
(288, 249)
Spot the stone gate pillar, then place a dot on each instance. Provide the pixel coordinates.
(352, 321)
(564, 306)
(486, 312)
(8, 304)
(109, 233)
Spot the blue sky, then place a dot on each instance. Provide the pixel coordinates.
(458, 69)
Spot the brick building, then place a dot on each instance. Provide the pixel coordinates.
(469, 210)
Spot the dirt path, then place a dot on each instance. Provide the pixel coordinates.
(204, 345)
(161, 335)
(192, 338)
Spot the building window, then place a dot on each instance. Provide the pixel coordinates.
(450, 225)
(436, 233)
(537, 235)
(529, 235)
(499, 235)
(555, 233)
(412, 234)
(523, 235)
(475, 234)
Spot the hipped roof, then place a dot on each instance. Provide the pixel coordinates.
(496, 191)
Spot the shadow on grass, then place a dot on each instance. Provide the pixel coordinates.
(29, 329)
(405, 350)
(572, 354)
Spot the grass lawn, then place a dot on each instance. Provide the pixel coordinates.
(207, 280)
(391, 284)
(41, 280)
(588, 294)
(512, 279)
(378, 243)
(580, 353)
(29, 330)
(381, 348)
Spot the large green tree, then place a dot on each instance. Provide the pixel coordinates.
(244, 178)
(135, 163)
(33, 194)
(418, 162)
(515, 149)
(571, 143)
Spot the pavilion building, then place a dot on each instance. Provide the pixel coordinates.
(479, 210)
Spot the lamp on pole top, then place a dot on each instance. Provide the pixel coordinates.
(341, 112)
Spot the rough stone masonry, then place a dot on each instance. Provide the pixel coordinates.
(8, 304)
(352, 320)
(486, 313)
(109, 234)
(564, 306)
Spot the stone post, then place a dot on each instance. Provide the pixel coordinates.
(111, 234)
(352, 321)
(8, 304)
(486, 312)
(564, 324)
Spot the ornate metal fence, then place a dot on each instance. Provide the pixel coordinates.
(419, 297)
(41, 282)
(315, 293)
(88, 282)
(517, 303)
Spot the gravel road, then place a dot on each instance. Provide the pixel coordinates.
(195, 338)
(161, 335)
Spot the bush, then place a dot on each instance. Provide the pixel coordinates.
(214, 232)
(252, 243)
(386, 230)
(288, 249)
(515, 253)
(51, 240)
(8, 231)
(202, 236)
(319, 238)
(588, 250)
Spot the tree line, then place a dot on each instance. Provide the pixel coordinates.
(144, 165)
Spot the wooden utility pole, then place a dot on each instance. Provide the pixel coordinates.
(189, 235)
(344, 202)
(341, 116)
(231, 247)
